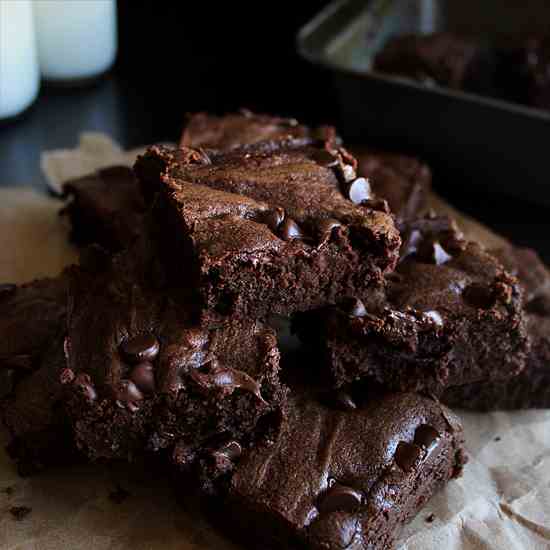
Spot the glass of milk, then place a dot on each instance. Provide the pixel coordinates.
(19, 75)
(76, 39)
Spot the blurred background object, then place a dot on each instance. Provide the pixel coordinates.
(19, 80)
(76, 39)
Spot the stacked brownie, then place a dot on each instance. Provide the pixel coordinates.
(517, 71)
(160, 342)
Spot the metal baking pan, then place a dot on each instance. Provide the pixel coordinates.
(467, 138)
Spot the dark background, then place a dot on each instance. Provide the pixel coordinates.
(178, 57)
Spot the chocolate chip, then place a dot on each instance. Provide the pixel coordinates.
(289, 230)
(230, 450)
(479, 296)
(353, 307)
(431, 251)
(340, 498)
(226, 380)
(434, 317)
(359, 190)
(425, 436)
(143, 347)
(128, 395)
(274, 218)
(143, 376)
(6, 289)
(85, 386)
(344, 401)
(407, 455)
(20, 512)
(324, 158)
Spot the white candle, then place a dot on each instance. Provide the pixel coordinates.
(76, 38)
(19, 78)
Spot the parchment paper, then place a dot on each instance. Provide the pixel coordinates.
(502, 502)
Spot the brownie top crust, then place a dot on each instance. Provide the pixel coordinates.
(244, 128)
(265, 194)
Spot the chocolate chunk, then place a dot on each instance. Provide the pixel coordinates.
(290, 230)
(435, 317)
(20, 512)
(353, 307)
(407, 455)
(339, 498)
(326, 228)
(230, 450)
(127, 395)
(380, 205)
(85, 386)
(432, 252)
(425, 436)
(6, 289)
(479, 296)
(359, 190)
(143, 347)
(325, 158)
(344, 401)
(227, 380)
(274, 218)
(143, 376)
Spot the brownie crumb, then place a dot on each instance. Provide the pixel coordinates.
(497, 438)
(430, 518)
(119, 495)
(20, 512)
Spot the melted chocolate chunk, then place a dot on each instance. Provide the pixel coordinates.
(325, 158)
(344, 401)
(353, 307)
(275, 218)
(407, 455)
(85, 386)
(425, 436)
(290, 230)
(143, 347)
(227, 380)
(359, 191)
(339, 498)
(143, 376)
(128, 395)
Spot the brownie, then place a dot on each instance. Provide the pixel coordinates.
(442, 58)
(531, 388)
(244, 128)
(275, 227)
(449, 315)
(344, 472)
(141, 374)
(32, 320)
(105, 207)
(401, 180)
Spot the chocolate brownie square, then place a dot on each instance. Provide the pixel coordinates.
(531, 388)
(443, 58)
(32, 324)
(244, 128)
(403, 181)
(141, 374)
(275, 227)
(449, 315)
(343, 473)
(105, 208)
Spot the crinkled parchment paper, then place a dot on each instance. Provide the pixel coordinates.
(502, 502)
